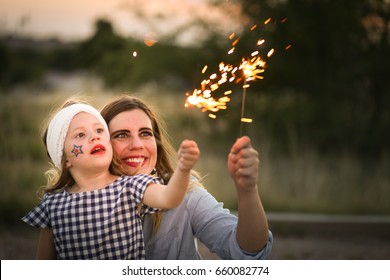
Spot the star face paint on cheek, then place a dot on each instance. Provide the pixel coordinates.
(77, 150)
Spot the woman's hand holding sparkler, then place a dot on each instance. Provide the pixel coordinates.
(243, 165)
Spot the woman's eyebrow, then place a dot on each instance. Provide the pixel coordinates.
(120, 131)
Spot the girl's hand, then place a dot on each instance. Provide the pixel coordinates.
(188, 155)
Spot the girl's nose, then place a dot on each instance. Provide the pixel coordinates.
(94, 137)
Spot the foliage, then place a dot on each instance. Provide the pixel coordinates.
(335, 74)
(329, 91)
(111, 57)
(21, 66)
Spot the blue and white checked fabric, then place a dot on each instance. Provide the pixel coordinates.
(101, 224)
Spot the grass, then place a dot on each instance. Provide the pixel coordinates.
(299, 182)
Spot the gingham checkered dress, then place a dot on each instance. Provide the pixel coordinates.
(101, 224)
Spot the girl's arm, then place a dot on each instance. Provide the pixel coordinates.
(46, 248)
(171, 195)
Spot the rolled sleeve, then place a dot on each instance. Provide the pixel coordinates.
(237, 253)
(216, 228)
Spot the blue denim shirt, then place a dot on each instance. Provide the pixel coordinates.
(199, 216)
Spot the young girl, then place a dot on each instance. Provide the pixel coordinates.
(90, 212)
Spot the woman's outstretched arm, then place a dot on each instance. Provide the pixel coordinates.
(243, 165)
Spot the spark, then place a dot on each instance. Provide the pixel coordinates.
(206, 102)
(235, 42)
(246, 120)
(252, 68)
(248, 70)
(271, 52)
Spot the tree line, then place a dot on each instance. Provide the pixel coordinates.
(330, 90)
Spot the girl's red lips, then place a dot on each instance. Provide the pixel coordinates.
(97, 149)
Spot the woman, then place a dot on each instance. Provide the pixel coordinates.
(141, 143)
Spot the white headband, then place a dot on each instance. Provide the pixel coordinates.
(58, 128)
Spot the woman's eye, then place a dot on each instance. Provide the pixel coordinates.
(146, 134)
(121, 135)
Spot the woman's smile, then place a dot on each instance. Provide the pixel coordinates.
(134, 161)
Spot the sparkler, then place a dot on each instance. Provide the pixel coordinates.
(249, 70)
(252, 69)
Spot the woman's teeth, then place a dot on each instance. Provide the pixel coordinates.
(138, 161)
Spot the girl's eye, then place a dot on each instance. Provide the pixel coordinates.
(80, 135)
(99, 130)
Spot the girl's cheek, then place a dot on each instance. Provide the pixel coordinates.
(77, 150)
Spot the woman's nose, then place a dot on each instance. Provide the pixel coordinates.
(135, 143)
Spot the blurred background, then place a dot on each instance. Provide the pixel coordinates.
(321, 118)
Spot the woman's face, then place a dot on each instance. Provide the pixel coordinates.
(133, 141)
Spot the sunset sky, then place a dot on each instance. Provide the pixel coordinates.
(74, 19)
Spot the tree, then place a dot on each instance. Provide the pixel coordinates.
(336, 73)
(106, 54)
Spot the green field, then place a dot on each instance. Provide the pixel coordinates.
(298, 181)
